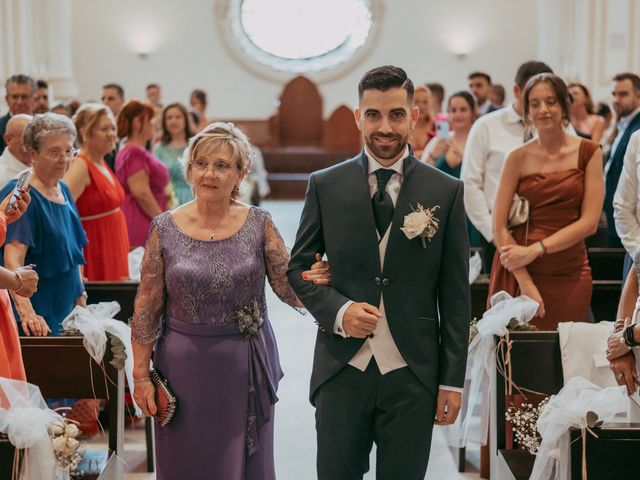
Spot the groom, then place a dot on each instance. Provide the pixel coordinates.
(391, 348)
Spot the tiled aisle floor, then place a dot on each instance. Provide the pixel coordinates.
(295, 433)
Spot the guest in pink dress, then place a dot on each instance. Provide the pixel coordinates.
(145, 178)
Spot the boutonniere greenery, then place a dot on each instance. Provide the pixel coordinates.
(422, 222)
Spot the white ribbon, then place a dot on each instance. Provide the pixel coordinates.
(569, 409)
(479, 380)
(94, 322)
(475, 267)
(25, 418)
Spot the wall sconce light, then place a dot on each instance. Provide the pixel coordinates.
(144, 41)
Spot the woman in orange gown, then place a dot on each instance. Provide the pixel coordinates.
(23, 281)
(561, 177)
(99, 195)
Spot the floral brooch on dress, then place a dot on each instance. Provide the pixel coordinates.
(250, 320)
(422, 222)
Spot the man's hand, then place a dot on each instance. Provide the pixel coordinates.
(616, 346)
(360, 320)
(624, 369)
(448, 407)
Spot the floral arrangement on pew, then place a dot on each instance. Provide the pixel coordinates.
(524, 420)
(63, 435)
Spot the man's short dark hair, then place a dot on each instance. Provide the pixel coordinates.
(385, 78)
(632, 77)
(42, 84)
(152, 85)
(480, 74)
(116, 87)
(530, 69)
(21, 79)
(437, 90)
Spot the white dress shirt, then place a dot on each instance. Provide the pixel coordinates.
(484, 108)
(626, 201)
(380, 345)
(10, 167)
(491, 138)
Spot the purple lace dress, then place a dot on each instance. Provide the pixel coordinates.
(203, 303)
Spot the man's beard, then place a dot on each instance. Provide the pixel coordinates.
(386, 152)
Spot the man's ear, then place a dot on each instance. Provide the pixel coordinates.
(356, 115)
(415, 114)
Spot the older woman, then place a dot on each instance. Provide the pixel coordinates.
(201, 302)
(424, 129)
(583, 117)
(145, 178)
(99, 195)
(560, 175)
(175, 136)
(49, 235)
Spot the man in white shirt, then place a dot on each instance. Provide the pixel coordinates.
(626, 103)
(393, 326)
(14, 159)
(490, 139)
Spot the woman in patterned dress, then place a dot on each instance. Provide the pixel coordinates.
(201, 303)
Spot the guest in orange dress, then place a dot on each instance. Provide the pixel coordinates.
(99, 195)
(23, 281)
(561, 177)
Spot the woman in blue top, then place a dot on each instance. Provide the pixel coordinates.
(49, 235)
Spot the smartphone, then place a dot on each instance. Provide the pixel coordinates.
(21, 186)
(442, 126)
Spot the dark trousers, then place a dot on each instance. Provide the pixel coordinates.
(355, 409)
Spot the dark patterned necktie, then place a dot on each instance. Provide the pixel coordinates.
(381, 201)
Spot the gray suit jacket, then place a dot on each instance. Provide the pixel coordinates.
(426, 290)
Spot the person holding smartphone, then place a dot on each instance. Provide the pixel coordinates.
(446, 149)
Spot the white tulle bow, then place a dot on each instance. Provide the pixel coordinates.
(569, 409)
(481, 364)
(94, 322)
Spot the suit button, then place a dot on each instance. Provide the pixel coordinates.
(371, 335)
(385, 282)
(377, 281)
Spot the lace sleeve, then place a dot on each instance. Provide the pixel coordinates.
(150, 299)
(276, 259)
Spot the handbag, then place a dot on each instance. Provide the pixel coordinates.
(518, 211)
(166, 401)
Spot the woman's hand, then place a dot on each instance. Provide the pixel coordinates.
(81, 301)
(530, 290)
(624, 370)
(616, 346)
(440, 147)
(514, 257)
(21, 206)
(35, 325)
(144, 393)
(29, 284)
(319, 272)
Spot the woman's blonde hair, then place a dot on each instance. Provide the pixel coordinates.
(213, 138)
(87, 116)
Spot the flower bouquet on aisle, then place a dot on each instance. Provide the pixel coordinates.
(46, 444)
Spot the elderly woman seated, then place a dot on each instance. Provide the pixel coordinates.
(49, 235)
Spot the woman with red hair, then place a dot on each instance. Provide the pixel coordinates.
(143, 176)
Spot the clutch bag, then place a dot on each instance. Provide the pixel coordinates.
(518, 211)
(166, 401)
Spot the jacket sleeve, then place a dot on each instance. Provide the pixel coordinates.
(322, 302)
(454, 297)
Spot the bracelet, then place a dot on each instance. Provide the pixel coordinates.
(20, 282)
(544, 249)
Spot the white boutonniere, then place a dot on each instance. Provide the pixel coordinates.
(421, 222)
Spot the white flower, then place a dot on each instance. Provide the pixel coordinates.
(422, 223)
(72, 444)
(414, 224)
(56, 428)
(60, 443)
(71, 430)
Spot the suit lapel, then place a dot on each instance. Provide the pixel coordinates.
(403, 207)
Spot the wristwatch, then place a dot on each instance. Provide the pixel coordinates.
(629, 338)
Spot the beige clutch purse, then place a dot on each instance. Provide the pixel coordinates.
(518, 211)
